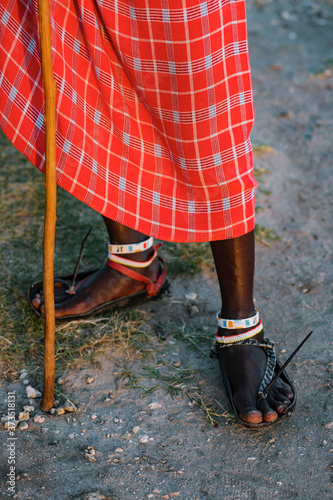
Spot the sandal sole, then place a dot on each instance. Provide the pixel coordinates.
(128, 301)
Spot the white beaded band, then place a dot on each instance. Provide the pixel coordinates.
(234, 324)
(132, 247)
(132, 263)
(240, 336)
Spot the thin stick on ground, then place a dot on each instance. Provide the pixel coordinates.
(50, 92)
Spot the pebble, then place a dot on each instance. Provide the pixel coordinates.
(26, 381)
(61, 380)
(155, 406)
(96, 495)
(118, 450)
(11, 424)
(193, 310)
(24, 415)
(89, 379)
(71, 436)
(39, 419)
(29, 408)
(23, 426)
(23, 374)
(69, 408)
(60, 411)
(52, 411)
(90, 454)
(144, 439)
(177, 364)
(93, 416)
(135, 429)
(191, 296)
(33, 393)
(329, 425)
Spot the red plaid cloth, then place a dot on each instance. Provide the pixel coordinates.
(154, 109)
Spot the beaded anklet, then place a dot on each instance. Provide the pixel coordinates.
(229, 339)
(132, 248)
(234, 324)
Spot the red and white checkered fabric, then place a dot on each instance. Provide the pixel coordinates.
(154, 109)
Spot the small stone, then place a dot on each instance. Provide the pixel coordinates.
(118, 450)
(116, 460)
(155, 406)
(329, 425)
(89, 379)
(144, 439)
(60, 411)
(39, 419)
(90, 457)
(177, 364)
(28, 408)
(91, 450)
(61, 380)
(325, 442)
(26, 381)
(193, 311)
(93, 416)
(96, 495)
(69, 408)
(23, 426)
(44, 430)
(23, 374)
(251, 458)
(24, 415)
(116, 420)
(11, 424)
(135, 429)
(191, 296)
(71, 436)
(33, 393)
(52, 411)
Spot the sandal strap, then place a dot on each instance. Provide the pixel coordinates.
(152, 287)
(270, 359)
(133, 263)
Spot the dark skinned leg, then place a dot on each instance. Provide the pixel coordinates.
(106, 284)
(244, 365)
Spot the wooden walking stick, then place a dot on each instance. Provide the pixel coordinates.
(50, 93)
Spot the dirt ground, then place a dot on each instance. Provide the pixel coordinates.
(159, 447)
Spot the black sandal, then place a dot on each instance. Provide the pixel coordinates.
(272, 372)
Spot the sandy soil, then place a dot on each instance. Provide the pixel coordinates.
(161, 448)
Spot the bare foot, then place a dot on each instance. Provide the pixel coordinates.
(245, 366)
(102, 286)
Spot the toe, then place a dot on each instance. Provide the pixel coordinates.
(36, 302)
(252, 417)
(269, 414)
